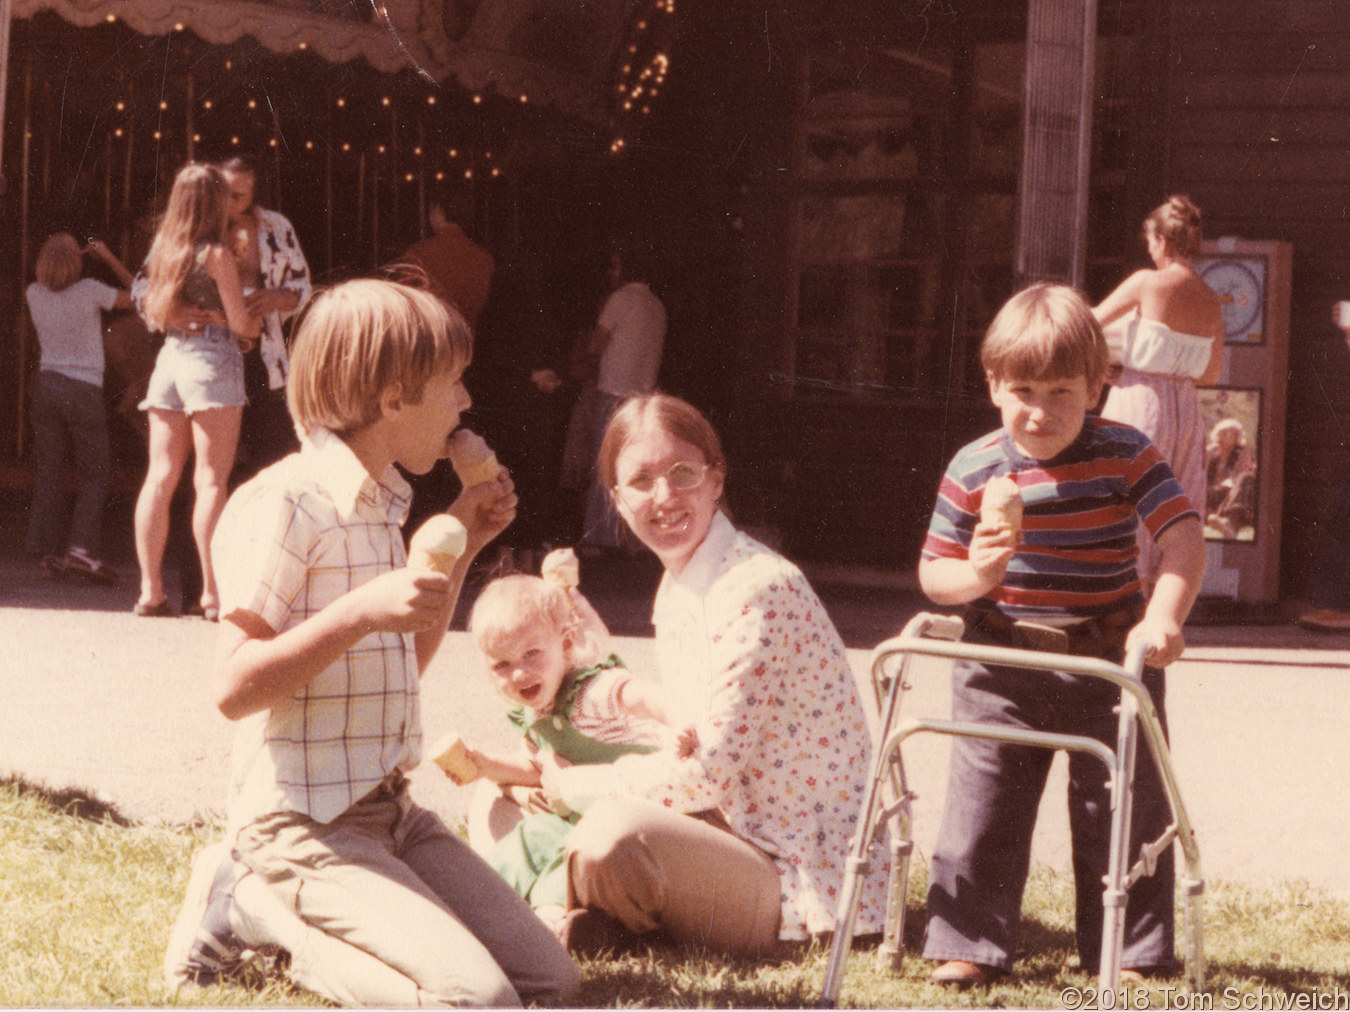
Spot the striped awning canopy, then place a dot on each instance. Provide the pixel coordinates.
(559, 53)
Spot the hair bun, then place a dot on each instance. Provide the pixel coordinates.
(1182, 206)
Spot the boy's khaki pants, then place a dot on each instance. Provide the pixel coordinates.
(394, 910)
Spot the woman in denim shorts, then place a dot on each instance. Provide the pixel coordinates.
(196, 396)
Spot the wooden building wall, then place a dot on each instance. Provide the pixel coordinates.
(1255, 127)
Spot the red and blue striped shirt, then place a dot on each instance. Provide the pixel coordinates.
(1081, 511)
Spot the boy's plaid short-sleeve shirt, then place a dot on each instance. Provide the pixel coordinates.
(293, 540)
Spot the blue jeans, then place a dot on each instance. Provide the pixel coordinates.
(69, 423)
(983, 851)
(602, 519)
(1329, 584)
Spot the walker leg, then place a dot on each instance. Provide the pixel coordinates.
(1193, 927)
(842, 942)
(891, 953)
(1114, 895)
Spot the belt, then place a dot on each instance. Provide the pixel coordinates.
(387, 788)
(210, 332)
(1098, 636)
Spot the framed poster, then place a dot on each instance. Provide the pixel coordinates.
(1232, 417)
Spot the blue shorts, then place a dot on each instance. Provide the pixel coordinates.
(197, 371)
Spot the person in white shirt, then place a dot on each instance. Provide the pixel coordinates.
(67, 407)
(627, 339)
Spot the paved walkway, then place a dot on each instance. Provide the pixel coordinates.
(93, 698)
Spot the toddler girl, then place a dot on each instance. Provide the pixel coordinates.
(546, 650)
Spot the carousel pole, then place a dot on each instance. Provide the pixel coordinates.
(126, 184)
(189, 126)
(360, 195)
(328, 201)
(25, 147)
(421, 181)
(107, 183)
(6, 17)
(46, 148)
(328, 130)
(276, 170)
(394, 170)
(375, 214)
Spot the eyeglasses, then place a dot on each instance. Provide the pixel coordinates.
(680, 477)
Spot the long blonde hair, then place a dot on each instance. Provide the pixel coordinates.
(197, 213)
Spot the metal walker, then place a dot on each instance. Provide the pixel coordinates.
(887, 801)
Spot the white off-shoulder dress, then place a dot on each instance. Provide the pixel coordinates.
(1156, 394)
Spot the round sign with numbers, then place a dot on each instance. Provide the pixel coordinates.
(1238, 283)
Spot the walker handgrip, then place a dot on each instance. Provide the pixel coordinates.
(942, 627)
(1134, 659)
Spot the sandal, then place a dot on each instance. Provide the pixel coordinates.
(210, 612)
(161, 610)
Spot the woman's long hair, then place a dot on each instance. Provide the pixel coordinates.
(197, 213)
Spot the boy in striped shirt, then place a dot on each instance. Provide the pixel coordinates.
(1066, 581)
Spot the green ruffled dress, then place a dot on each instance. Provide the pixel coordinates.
(532, 856)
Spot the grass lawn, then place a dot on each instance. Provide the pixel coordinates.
(87, 901)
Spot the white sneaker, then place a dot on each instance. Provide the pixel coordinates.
(202, 946)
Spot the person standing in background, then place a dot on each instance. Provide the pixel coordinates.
(195, 399)
(1329, 583)
(276, 280)
(67, 408)
(625, 344)
(1173, 342)
(458, 270)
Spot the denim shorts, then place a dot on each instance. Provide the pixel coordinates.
(196, 371)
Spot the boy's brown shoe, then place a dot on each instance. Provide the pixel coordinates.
(961, 973)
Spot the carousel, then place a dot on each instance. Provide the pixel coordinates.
(356, 111)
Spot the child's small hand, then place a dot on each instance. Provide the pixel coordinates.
(404, 600)
(486, 510)
(550, 780)
(992, 547)
(686, 742)
(1164, 640)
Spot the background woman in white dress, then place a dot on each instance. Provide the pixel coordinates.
(1173, 342)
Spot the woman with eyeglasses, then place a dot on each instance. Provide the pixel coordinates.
(742, 845)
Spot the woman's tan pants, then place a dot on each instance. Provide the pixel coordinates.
(654, 869)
